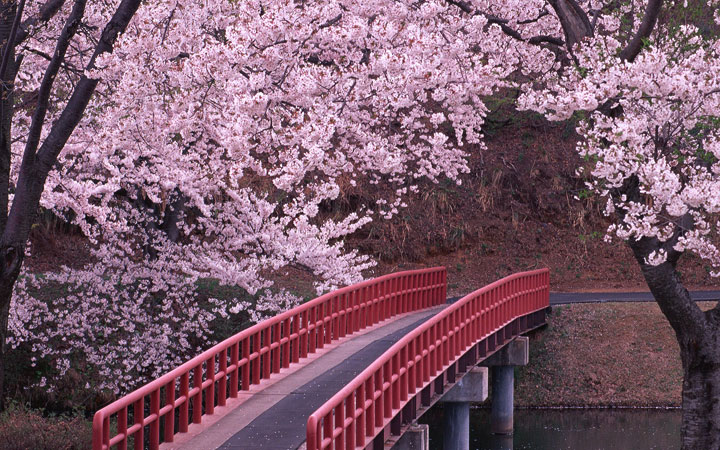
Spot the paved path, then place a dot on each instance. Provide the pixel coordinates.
(561, 298)
(276, 416)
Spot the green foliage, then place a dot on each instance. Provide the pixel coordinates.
(584, 194)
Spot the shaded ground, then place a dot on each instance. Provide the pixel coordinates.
(608, 354)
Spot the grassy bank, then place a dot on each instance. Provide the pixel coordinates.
(611, 354)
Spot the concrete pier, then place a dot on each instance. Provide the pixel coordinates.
(473, 387)
(502, 364)
(456, 426)
(501, 412)
(417, 437)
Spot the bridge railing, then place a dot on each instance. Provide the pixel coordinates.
(191, 391)
(361, 410)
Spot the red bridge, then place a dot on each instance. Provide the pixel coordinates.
(351, 369)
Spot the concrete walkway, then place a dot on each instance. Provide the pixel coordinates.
(275, 416)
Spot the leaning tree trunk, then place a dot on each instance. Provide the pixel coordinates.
(40, 153)
(8, 276)
(5, 296)
(698, 335)
(10, 259)
(701, 390)
(701, 395)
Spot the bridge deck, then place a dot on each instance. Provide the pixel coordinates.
(274, 415)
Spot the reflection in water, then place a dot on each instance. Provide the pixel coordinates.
(600, 429)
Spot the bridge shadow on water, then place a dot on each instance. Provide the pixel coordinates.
(570, 429)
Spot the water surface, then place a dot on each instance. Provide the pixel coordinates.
(598, 429)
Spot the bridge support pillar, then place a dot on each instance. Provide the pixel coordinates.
(417, 437)
(503, 365)
(473, 387)
(456, 426)
(501, 412)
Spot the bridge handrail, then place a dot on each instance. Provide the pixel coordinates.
(363, 407)
(261, 350)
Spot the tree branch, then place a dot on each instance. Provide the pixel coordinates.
(58, 57)
(31, 179)
(9, 46)
(508, 30)
(646, 27)
(47, 12)
(71, 115)
(574, 21)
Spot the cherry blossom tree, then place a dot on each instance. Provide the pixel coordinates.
(26, 164)
(219, 132)
(644, 83)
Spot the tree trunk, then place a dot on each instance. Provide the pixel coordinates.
(698, 335)
(701, 395)
(38, 159)
(4, 315)
(8, 277)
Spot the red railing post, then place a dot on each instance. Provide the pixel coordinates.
(121, 428)
(378, 400)
(349, 443)
(210, 392)
(305, 342)
(185, 406)
(197, 399)
(295, 330)
(286, 346)
(313, 434)
(339, 423)
(369, 407)
(222, 382)
(139, 419)
(276, 339)
(266, 348)
(387, 397)
(312, 330)
(327, 431)
(335, 317)
(246, 365)
(155, 424)
(235, 375)
(168, 435)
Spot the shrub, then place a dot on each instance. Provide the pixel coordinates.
(22, 428)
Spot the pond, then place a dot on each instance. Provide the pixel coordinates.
(570, 429)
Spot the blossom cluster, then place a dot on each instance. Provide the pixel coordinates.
(219, 134)
(650, 133)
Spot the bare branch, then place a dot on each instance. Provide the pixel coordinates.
(508, 30)
(332, 21)
(646, 27)
(58, 57)
(47, 12)
(9, 46)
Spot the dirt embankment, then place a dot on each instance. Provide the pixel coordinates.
(611, 354)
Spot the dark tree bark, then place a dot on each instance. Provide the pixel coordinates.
(39, 156)
(166, 219)
(698, 334)
(574, 21)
